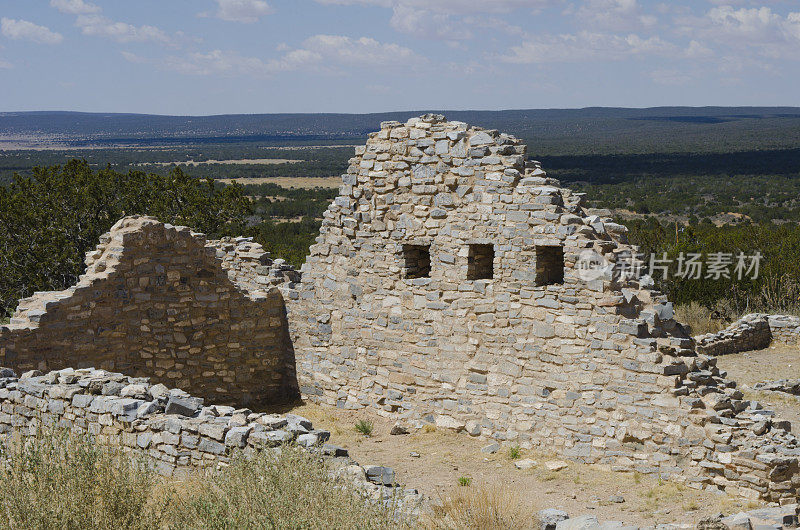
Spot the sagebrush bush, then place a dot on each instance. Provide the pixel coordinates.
(58, 481)
(365, 427)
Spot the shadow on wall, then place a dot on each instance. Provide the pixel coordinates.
(158, 301)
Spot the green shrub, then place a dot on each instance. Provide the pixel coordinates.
(365, 427)
(514, 452)
(464, 481)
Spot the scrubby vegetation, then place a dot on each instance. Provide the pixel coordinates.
(48, 221)
(58, 481)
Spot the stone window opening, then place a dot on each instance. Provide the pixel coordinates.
(480, 262)
(549, 265)
(417, 261)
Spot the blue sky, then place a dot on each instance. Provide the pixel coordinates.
(253, 56)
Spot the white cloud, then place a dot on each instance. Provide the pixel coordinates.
(75, 7)
(101, 26)
(453, 7)
(448, 20)
(585, 46)
(756, 31)
(247, 11)
(320, 53)
(24, 30)
(618, 15)
(365, 51)
(427, 24)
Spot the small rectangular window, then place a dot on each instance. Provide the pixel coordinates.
(549, 265)
(480, 262)
(417, 261)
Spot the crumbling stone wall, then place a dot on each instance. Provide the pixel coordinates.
(160, 301)
(754, 331)
(538, 351)
(178, 432)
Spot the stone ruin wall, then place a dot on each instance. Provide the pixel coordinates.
(595, 370)
(173, 429)
(754, 331)
(492, 331)
(161, 301)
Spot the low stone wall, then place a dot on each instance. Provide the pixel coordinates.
(160, 301)
(175, 430)
(754, 331)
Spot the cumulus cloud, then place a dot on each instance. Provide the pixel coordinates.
(24, 30)
(101, 26)
(247, 11)
(75, 7)
(585, 46)
(756, 30)
(615, 15)
(322, 53)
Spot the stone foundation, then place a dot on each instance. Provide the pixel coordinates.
(173, 429)
(754, 331)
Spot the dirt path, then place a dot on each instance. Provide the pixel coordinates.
(779, 361)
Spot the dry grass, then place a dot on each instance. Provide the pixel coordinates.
(58, 481)
(480, 508)
(281, 489)
(701, 319)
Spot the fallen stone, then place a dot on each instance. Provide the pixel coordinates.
(525, 463)
(555, 465)
(380, 475)
(491, 449)
(183, 405)
(550, 517)
(398, 429)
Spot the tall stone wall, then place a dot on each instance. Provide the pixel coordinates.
(399, 310)
(160, 301)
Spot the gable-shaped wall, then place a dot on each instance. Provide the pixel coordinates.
(592, 367)
(160, 301)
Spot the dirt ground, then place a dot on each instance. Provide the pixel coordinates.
(433, 461)
(779, 361)
(291, 182)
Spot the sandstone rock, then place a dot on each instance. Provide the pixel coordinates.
(448, 422)
(491, 449)
(549, 517)
(185, 406)
(555, 465)
(525, 463)
(398, 429)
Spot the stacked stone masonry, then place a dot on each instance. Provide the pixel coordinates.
(754, 331)
(448, 285)
(161, 301)
(172, 428)
(538, 353)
